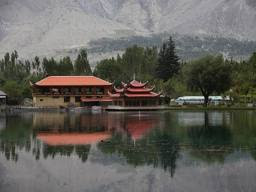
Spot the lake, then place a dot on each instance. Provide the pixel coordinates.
(175, 151)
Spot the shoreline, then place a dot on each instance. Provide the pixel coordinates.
(161, 108)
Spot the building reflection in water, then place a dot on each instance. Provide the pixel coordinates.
(142, 140)
(154, 139)
(63, 133)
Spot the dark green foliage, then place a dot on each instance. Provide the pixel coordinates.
(65, 66)
(108, 69)
(210, 74)
(168, 61)
(82, 66)
(136, 61)
(14, 91)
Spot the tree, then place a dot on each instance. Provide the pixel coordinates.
(168, 62)
(109, 70)
(65, 66)
(82, 66)
(210, 74)
(149, 63)
(131, 61)
(13, 90)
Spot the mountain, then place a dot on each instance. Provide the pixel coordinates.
(51, 27)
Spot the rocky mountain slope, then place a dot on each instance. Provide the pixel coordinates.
(43, 27)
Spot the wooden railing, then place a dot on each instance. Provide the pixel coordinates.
(69, 94)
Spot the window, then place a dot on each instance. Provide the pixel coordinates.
(66, 99)
(41, 100)
(99, 91)
(78, 99)
(88, 91)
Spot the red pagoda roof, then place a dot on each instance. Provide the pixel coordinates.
(139, 90)
(133, 89)
(72, 81)
(151, 94)
(137, 84)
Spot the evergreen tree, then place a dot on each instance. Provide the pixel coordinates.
(109, 70)
(168, 61)
(148, 65)
(131, 61)
(65, 66)
(82, 66)
(37, 65)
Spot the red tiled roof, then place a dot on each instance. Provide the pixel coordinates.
(139, 90)
(135, 83)
(72, 81)
(72, 138)
(151, 94)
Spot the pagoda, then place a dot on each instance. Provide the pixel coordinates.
(134, 94)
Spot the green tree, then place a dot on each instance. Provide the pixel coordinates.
(109, 70)
(131, 62)
(50, 66)
(65, 66)
(82, 66)
(148, 66)
(13, 90)
(210, 74)
(168, 62)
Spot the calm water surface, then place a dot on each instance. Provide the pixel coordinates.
(152, 151)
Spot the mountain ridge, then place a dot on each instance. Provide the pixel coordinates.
(42, 27)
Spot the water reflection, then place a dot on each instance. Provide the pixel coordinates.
(16, 135)
(142, 139)
(210, 142)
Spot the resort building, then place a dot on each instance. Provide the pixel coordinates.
(135, 94)
(71, 91)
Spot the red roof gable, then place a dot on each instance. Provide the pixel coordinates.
(139, 90)
(151, 94)
(137, 84)
(134, 89)
(72, 81)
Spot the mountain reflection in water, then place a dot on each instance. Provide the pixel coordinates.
(157, 139)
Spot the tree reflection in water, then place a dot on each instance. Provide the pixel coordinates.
(16, 136)
(81, 151)
(158, 148)
(153, 139)
(210, 143)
